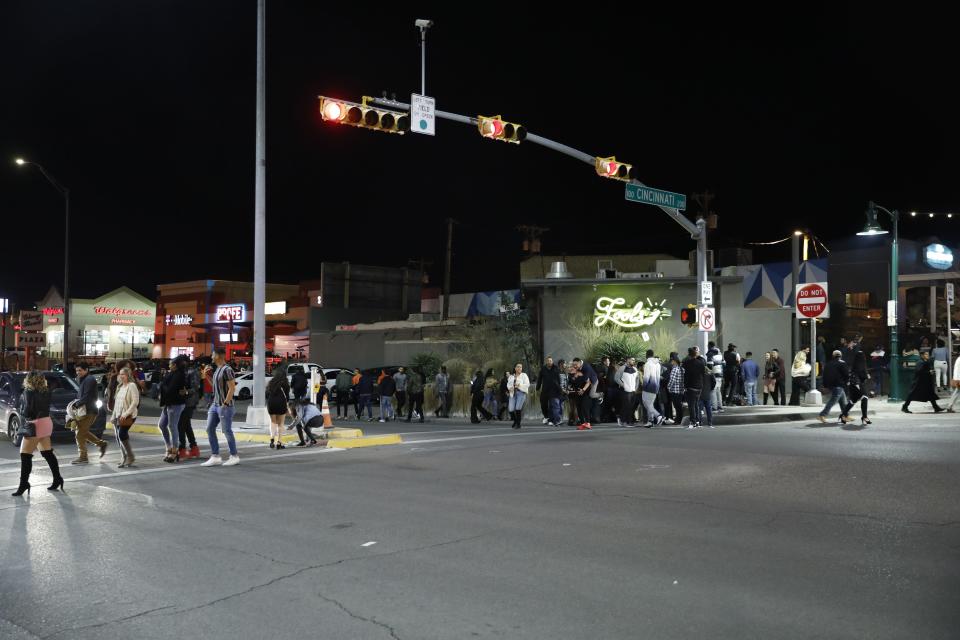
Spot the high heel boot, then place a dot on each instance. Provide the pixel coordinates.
(26, 466)
(51, 459)
(128, 456)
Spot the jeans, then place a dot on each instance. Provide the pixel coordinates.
(365, 403)
(942, 370)
(676, 399)
(490, 399)
(442, 410)
(627, 399)
(837, 394)
(170, 424)
(693, 405)
(647, 397)
(343, 401)
(751, 391)
(401, 400)
(415, 405)
(716, 395)
(517, 400)
(556, 410)
(222, 415)
(386, 408)
(705, 401)
(185, 427)
(877, 375)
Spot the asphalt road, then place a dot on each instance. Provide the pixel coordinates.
(788, 530)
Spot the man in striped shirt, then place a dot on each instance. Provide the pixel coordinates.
(221, 411)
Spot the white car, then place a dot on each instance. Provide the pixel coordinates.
(244, 389)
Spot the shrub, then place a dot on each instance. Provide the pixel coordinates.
(459, 370)
(428, 362)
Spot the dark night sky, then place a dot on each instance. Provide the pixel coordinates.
(146, 111)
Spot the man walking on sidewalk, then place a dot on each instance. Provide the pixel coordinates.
(343, 383)
(221, 411)
(87, 403)
(651, 387)
(751, 374)
(548, 384)
(835, 377)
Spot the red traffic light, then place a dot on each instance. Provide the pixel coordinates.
(688, 315)
(610, 168)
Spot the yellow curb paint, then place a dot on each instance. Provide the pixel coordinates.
(369, 441)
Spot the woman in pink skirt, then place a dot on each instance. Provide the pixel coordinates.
(35, 413)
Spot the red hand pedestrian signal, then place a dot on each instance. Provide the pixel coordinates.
(688, 315)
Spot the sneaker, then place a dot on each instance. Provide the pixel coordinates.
(382, 420)
(584, 427)
(212, 461)
(550, 424)
(710, 426)
(232, 460)
(79, 461)
(660, 421)
(544, 421)
(647, 424)
(692, 425)
(301, 444)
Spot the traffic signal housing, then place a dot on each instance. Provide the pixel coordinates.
(495, 128)
(688, 315)
(610, 168)
(363, 115)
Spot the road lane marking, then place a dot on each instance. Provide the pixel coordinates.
(369, 544)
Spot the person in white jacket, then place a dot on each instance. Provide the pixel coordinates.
(125, 405)
(629, 381)
(651, 387)
(955, 383)
(517, 386)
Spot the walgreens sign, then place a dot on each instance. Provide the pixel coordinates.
(118, 311)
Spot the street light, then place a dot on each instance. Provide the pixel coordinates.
(66, 254)
(873, 228)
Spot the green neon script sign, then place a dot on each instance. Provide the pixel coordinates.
(615, 311)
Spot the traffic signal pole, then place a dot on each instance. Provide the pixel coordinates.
(697, 231)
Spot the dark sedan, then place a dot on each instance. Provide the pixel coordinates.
(62, 391)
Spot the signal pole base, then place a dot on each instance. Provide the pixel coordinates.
(257, 417)
(813, 399)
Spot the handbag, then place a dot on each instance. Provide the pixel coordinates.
(27, 430)
(126, 422)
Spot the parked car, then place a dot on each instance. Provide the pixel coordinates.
(62, 391)
(330, 373)
(244, 390)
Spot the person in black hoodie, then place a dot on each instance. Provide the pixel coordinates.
(173, 397)
(835, 377)
(548, 384)
(299, 383)
(476, 398)
(35, 412)
(365, 395)
(694, 373)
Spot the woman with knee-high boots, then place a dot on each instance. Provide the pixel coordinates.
(125, 403)
(518, 384)
(35, 411)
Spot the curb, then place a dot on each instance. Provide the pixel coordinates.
(344, 438)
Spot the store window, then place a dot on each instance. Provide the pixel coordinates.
(857, 300)
(96, 342)
(136, 341)
(181, 351)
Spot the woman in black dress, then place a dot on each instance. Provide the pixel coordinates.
(923, 387)
(278, 391)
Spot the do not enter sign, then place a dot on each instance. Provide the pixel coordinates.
(812, 299)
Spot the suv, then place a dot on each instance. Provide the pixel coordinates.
(63, 390)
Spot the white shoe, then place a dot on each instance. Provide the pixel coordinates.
(619, 422)
(231, 461)
(544, 421)
(212, 461)
(382, 420)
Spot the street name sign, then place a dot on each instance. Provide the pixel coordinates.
(708, 318)
(811, 299)
(649, 195)
(422, 114)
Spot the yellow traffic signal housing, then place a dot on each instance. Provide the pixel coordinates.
(363, 115)
(610, 168)
(495, 128)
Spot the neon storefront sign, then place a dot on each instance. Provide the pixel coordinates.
(938, 256)
(231, 313)
(615, 311)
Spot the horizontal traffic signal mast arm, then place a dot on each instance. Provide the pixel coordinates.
(693, 229)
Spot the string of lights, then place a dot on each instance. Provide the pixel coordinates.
(930, 214)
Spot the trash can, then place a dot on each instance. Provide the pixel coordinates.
(908, 370)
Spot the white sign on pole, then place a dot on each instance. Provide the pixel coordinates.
(4, 305)
(949, 293)
(708, 318)
(422, 114)
(706, 293)
(31, 321)
(891, 313)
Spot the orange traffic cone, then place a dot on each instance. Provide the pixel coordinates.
(325, 412)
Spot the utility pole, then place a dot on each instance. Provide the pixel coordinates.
(257, 414)
(446, 271)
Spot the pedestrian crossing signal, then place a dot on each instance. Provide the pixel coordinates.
(495, 128)
(610, 168)
(688, 315)
(363, 115)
